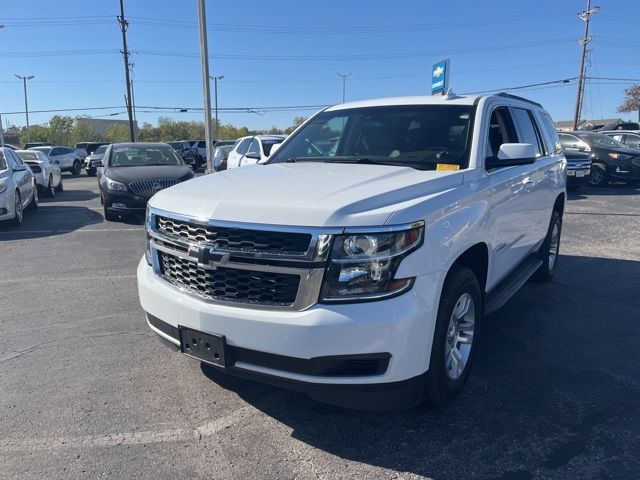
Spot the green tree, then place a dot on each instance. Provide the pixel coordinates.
(117, 133)
(84, 133)
(297, 121)
(61, 130)
(631, 100)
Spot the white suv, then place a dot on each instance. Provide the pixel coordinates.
(253, 149)
(356, 264)
(66, 158)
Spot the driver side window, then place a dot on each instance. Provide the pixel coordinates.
(501, 130)
(244, 145)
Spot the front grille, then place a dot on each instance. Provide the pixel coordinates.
(237, 239)
(229, 284)
(146, 188)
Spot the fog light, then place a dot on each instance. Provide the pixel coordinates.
(3, 211)
(118, 205)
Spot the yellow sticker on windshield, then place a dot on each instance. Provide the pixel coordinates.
(447, 166)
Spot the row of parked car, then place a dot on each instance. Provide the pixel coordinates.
(599, 157)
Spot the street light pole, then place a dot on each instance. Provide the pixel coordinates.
(344, 84)
(26, 103)
(204, 54)
(215, 96)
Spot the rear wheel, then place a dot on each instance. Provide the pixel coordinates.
(35, 201)
(459, 314)
(18, 217)
(598, 176)
(75, 170)
(51, 190)
(549, 251)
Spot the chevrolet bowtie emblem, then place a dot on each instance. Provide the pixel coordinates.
(209, 256)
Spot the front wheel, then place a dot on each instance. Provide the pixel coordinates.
(18, 216)
(60, 187)
(549, 251)
(35, 201)
(598, 176)
(75, 170)
(459, 314)
(91, 172)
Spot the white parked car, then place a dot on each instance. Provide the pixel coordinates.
(47, 174)
(253, 149)
(357, 263)
(93, 160)
(66, 158)
(18, 189)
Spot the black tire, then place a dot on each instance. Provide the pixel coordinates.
(91, 173)
(549, 251)
(60, 187)
(18, 217)
(598, 176)
(76, 169)
(440, 387)
(109, 216)
(51, 190)
(35, 201)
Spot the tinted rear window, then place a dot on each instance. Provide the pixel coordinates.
(267, 144)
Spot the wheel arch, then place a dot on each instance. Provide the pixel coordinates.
(476, 259)
(558, 205)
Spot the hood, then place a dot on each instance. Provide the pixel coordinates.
(151, 172)
(633, 152)
(305, 194)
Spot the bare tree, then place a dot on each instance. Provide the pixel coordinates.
(631, 100)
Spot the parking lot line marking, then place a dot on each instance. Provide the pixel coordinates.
(80, 230)
(30, 280)
(129, 438)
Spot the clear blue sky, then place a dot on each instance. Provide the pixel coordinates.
(287, 53)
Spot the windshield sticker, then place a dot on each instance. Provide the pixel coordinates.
(447, 166)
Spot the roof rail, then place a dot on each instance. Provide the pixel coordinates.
(515, 97)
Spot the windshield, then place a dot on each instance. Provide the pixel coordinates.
(100, 150)
(601, 140)
(416, 136)
(28, 156)
(138, 156)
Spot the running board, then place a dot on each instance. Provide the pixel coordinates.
(502, 292)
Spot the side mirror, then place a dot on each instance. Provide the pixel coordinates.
(253, 155)
(512, 154)
(274, 148)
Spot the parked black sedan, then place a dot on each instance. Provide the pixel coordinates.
(611, 160)
(133, 172)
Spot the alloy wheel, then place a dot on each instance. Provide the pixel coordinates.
(460, 336)
(554, 245)
(18, 209)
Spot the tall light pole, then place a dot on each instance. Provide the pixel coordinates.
(1, 130)
(344, 84)
(26, 103)
(215, 96)
(204, 57)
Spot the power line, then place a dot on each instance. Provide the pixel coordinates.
(584, 41)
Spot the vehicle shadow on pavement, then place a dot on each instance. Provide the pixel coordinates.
(73, 196)
(57, 221)
(613, 189)
(553, 394)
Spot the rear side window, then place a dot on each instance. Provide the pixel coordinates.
(244, 146)
(3, 163)
(550, 133)
(633, 141)
(527, 131)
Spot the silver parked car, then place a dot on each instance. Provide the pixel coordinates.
(18, 189)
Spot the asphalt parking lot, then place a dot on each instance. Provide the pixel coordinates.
(87, 391)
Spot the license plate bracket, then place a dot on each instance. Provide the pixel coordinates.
(206, 347)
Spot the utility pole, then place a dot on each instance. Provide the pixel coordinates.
(26, 103)
(215, 96)
(584, 41)
(204, 57)
(344, 76)
(124, 24)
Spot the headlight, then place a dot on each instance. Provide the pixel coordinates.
(619, 156)
(113, 185)
(362, 266)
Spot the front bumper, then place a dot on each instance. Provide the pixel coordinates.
(402, 327)
(125, 202)
(628, 171)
